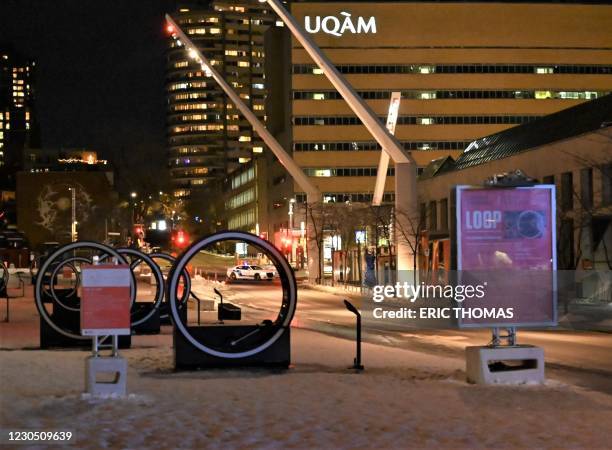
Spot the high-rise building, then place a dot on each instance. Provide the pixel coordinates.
(465, 70)
(217, 162)
(207, 137)
(18, 127)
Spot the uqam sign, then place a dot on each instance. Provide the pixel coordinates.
(338, 26)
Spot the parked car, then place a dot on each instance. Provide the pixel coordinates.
(248, 272)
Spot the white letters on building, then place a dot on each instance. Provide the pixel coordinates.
(337, 26)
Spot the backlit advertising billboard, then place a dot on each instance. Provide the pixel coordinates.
(506, 241)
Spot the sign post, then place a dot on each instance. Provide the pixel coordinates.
(105, 312)
(506, 242)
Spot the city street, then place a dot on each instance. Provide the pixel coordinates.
(584, 358)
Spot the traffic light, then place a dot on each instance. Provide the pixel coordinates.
(138, 231)
(180, 239)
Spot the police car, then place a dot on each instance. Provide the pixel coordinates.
(248, 272)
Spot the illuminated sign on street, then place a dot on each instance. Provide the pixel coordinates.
(337, 26)
(506, 240)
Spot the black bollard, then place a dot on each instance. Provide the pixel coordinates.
(357, 361)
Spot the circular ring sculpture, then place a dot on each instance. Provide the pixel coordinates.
(288, 283)
(54, 258)
(135, 258)
(186, 278)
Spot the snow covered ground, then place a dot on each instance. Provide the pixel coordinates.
(403, 399)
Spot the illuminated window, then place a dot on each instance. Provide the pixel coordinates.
(427, 69)
(425, 121)
(543, 94)
(215, 31)
(244, 139)
(257, 149)
(318, 96)
(541, 70)
(243, 64)
(317, 71)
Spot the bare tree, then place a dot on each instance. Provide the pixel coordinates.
(321, 216)
(409, 230)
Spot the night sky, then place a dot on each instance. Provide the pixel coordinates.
(100, 75)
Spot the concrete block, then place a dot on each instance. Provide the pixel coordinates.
(522, 364)
(106, 376)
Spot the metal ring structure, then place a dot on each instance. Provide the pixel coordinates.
(45, 267)
(185, 275)
(159, 278)
(287, 279)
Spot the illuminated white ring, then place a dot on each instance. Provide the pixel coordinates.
(60, 251)
(286, 276)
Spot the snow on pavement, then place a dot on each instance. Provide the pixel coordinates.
(403, 399)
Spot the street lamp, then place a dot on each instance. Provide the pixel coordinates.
(73, 222)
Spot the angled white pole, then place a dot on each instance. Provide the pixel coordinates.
(383, 164)
(285, 159)
(313, 195)
(356, 103)
(405, 167)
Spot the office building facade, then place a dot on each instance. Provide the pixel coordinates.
(465, 70)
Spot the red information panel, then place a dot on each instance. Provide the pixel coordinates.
(506, 241)
(105, 300)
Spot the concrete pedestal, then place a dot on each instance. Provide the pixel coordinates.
(106, 375)
(505, 365)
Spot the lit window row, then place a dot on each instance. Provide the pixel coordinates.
(345, 172)
(244, 219)
(243, 178)
(457, 68)
(416, 120)
(458, 94)
(374, 146)
(192, 128)
(241, 199)
(181, 193)
(343, 197)
(190, 106)
(194, 117)
(187, 85)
